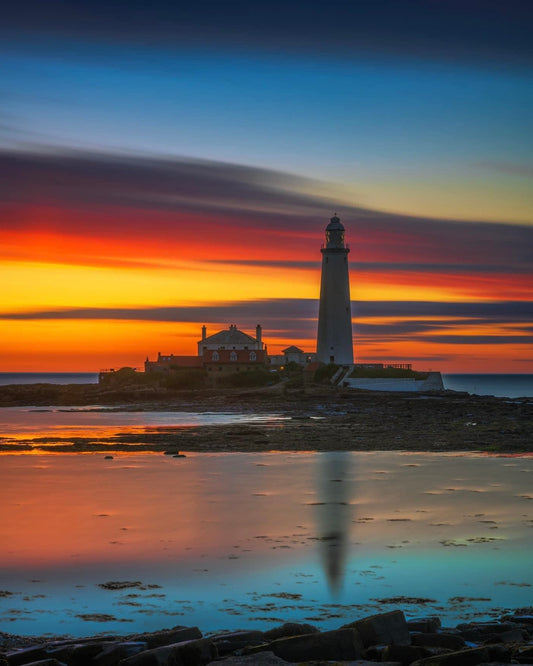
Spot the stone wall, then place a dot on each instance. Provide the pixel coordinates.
(432, 383)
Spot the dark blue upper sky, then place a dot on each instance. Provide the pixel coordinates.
(476, 30)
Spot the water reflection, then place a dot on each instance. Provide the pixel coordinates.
(333, 513)
(233, 540)
(20, 423)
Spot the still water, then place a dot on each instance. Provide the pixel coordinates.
(19, 423)
(145, 541)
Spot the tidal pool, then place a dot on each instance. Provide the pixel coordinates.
(21, 423)
(144, 541)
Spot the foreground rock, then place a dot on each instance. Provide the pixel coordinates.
(386, 638)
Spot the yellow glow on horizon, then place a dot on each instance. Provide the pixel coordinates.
(90, 345)
(39, 286)
(478, 195)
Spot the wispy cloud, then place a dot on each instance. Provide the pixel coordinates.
(515, 169)
(401, 321)
(484, 312)
(139, 197)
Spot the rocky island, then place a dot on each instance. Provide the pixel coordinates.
(316, 417)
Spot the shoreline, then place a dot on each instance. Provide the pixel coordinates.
(384, 637)
(316, 418)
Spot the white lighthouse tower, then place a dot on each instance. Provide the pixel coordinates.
(334, 340)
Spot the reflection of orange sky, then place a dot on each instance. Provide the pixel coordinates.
(55, 258)
(70, 508)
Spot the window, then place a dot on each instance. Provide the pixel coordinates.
(233, 356)
(215, 356)
(253, 356)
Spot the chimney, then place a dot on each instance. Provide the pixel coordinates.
(258, 334)
(204, 332)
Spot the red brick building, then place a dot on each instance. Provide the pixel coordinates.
(222, 353)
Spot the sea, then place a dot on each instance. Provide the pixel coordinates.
(132, 541)
(499, 385)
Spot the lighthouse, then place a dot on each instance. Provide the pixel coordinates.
(334, 340)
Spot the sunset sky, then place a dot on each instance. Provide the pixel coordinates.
(165, 165)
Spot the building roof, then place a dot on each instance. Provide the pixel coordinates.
(179, 361)
(230, 336)
(293, 350)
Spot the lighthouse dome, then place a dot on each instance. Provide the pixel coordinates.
(335, 223)
(335, 233)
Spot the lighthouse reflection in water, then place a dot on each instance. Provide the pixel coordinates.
(334, 514)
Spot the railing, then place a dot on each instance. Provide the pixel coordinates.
(401, 366)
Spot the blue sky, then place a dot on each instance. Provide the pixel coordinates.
(378, 125)
(127, 122)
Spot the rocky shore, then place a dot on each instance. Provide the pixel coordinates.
(386, 638)
(317, 418)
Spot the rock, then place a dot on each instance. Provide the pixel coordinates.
(521, 619)
(364, 662)
(511, 636)
(237, 640)
(76, 654)
(524, 655)
(383, 629)
(258, 659)
(187, 653)
(479, 631)
(289, 629)
(405, 654)
(337, 644)
(27, 655)
(449, 641)
(83, 641)
(168, 636)
(469, 657)
(115, 652)
(425, 625)
(46, 662)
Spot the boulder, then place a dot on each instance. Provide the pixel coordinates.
(27, 655)
(524, 655)
(46, 662)
(76, 654)
(425, 625)
(521, 619)
(449, 641)
(289, 629)
(258, 659)
(115, 652)
(168, 636)
(382, 629)
(365, 662)
(187, 653)
(468, 657)
(330, 645)
(237, 640)
(405, 654)
(479, 631)
(511, 636)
